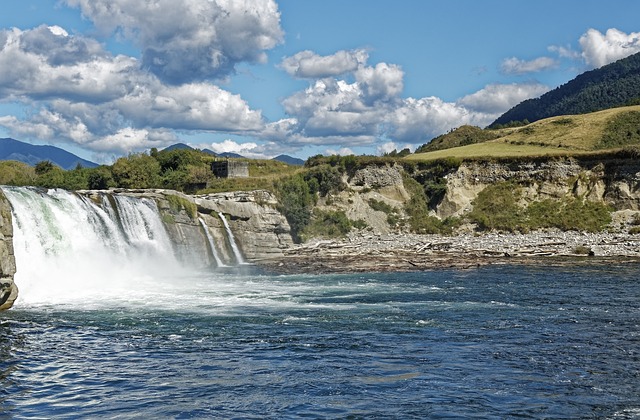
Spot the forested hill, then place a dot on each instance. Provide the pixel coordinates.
(610, 86)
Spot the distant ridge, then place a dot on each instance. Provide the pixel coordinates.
(11, 149)
(281, 158)
(616, 84)
(289, 159)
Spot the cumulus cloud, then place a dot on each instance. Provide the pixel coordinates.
(90, 97)
(516, 66)
(309, 65)
(333, 111)
(387, 147)
(191, 40)
(382, 82)
(497, 98)
(599, 49)
(247, 149)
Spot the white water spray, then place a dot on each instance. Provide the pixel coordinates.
(212, 244)
(69, 248)
(232, 240)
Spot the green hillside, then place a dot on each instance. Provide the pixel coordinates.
(563, 135)
(616, 84)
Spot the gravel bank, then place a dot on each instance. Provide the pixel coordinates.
(406, 252)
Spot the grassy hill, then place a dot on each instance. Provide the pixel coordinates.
(563, 135)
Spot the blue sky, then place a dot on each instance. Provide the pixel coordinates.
(104, 78)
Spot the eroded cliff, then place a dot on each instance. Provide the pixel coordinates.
(8, 289)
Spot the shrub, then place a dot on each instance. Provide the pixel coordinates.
(328, 224)
(295, 202)
(136, 171)
(496, 208)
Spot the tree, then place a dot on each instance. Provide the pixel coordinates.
(137, 171)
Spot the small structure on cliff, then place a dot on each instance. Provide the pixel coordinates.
(230, 168)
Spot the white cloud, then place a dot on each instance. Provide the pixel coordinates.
(387, 147)
(343, 151)
(248, 149)
(565, 52)
(599, 49)
(498, 98)
(335, 112)
(189, 40)
(87, 96)
(309, 65)
(514, 65)
(382, 82)
(230, 146)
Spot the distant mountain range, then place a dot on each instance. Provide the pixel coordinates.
(11, 149)
(616, 84)
(282, 158)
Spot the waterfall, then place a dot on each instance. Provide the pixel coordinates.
(68, 246)
(212, 244)
(232, 240)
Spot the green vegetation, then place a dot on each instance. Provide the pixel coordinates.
(393, 217)
(328, 224)
(178, 203)
(497, 208)
(598, 132)
(461, 136)
(16, 173)
(622, 130)
(295, 202)
(184, 170)
(417, 209)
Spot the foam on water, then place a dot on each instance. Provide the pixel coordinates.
(69, 249)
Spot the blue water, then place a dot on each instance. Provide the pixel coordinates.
(496, 342)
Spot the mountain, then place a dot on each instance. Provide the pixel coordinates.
(30, 154)
(282, 158)
(230, 155)
(289, 160)
(616, 84)
(178, 146)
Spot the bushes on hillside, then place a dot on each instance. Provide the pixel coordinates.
(497, 208)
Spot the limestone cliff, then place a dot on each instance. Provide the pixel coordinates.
(615, 182)
(8, 289)
(260, 230)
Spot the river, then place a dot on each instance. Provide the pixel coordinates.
(493, 342)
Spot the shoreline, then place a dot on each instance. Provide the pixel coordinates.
(359, 253)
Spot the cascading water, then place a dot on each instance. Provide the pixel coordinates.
(69, 247)
(232, 240)
(212, 244)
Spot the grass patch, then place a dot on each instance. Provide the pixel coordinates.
(178, 203)
(622, 130)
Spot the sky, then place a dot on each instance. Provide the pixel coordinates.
(106, 78)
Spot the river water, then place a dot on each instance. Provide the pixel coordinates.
(493, 342)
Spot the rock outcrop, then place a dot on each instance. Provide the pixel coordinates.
(260, 230)
(615, 182)
(8, 289)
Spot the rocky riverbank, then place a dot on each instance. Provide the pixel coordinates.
(408, 252)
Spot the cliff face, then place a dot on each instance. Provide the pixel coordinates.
(615, 182)
(260, 230)
(8, 289)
